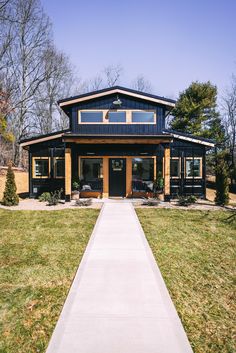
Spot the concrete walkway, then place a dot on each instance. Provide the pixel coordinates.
(118, 302)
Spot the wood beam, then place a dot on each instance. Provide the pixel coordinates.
(167, 171)
(128, 176)
(68, 174)
(115, 140)
(105, 176)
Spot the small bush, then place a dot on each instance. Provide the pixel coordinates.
(44, 197)
(10, 197)
(85, 202)
(55, 197)
(186, 200)
(222, 182)
(150, 202)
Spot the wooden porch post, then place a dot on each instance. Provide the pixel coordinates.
(67, 174)
(167, 173)
(128, 176)
(105, 177)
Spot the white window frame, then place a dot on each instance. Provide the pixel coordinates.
(185, 167)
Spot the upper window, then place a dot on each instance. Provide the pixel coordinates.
(142, 117)
(59, 167)
(175, 167)
(117, 117)
(41, 167)
(193, 167)
(91, 117)
(126, 116)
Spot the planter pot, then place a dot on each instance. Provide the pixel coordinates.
(75, 195)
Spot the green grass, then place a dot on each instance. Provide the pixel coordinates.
(39, 254)
(195, 251)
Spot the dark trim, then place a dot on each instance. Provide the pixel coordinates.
(148, 95)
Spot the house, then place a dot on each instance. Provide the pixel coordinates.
(117, 144)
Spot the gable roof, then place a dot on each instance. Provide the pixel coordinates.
(190, 138)
(117, 90)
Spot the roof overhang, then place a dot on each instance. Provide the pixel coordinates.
(39, 139)
(192, 139)
(117, 90)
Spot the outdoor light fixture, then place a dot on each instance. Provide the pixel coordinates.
(117, 102)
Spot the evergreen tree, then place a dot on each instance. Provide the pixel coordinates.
(195, 112)
(222, 181)
(10, 197)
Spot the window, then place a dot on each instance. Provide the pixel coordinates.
(91, 117)
(142, 174)
(106, 116)
(117, 117)
(91, 173)
(193, 168)
(59, 167)
(41, 167)
(142, 117)
(175, 167)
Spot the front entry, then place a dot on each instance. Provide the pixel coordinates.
(117, 177)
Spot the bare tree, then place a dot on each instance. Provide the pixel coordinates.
(229, 107)
(32, 32)
(59, 83)
(112, 74)
(140, 83)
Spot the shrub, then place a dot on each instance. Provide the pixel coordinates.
(55, 197)
(222, 182)
(85, 202)
(10, 197)
(186, 200)
(44, 197)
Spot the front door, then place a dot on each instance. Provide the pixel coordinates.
(117, 177)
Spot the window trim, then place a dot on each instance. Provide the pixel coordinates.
(179, 174)
(54, 164)
(185, 169)
(128, 116)
(33, 167)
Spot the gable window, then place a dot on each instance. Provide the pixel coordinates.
(142, 117)
(91, 116)
(117, 117)
(41, 167)
(193, 167)
(175, 167)
(59, 167)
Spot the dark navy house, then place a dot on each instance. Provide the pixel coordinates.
(117, 145)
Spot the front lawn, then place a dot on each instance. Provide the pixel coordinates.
(39, 254)
(195, 251)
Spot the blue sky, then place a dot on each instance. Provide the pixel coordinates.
(171, 43)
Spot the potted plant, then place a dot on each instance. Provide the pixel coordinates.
(76, 185)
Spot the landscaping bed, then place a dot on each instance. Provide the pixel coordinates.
(39, 255)
(195, 251)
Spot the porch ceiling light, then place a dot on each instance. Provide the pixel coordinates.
(117, 102)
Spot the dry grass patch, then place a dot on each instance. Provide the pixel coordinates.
(39, 254)
(195, 251)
